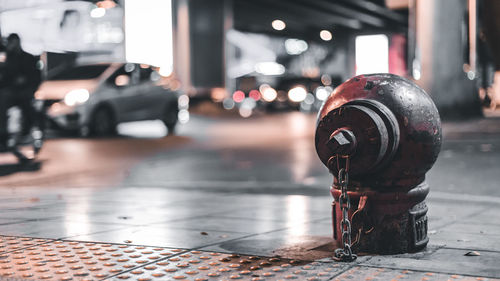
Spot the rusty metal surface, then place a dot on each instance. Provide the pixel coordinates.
(387, 224)
(396, 102)
(398, 138)
(74, 260)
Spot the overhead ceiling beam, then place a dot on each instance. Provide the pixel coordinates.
(341, 10)
(376, 9)
(302, 13)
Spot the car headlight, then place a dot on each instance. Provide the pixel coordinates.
(76, 97)
(268, 93)
(297, 94)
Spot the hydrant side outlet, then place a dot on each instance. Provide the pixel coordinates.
(390, 130)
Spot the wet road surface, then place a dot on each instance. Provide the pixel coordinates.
(267, 154)
(147, 206)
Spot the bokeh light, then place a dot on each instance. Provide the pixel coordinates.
(183, 116)
(295, 46)
(228, 104)
(254, 94)
(322, 93)
(325, 35)
(326, 79)
(268, 93)
(238, 96)
(278, 25)
(183, 101)
(297, 94)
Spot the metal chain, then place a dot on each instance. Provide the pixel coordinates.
(344, 254)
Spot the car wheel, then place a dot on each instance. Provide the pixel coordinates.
(103, 122)
(170, 118)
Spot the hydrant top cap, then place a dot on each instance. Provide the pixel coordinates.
(395, 123)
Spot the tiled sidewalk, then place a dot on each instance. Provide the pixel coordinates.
(168, 231)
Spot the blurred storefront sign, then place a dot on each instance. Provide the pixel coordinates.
(59, 27)
(148, 33)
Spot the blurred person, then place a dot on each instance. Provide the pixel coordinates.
(486, 70)
(3, 96)
(2, 52)
(19, 80)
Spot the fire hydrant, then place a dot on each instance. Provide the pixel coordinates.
(378, 135)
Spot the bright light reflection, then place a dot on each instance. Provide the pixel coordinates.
(322, 93)
(268, 93)
(183, 101)
(297, 94)
(297, 212)
(325, 35)
(77, 96)
(269, 68)
(278, 24)
(76, 215)
(302, 156)
(295, 46)
(245, 112)
(97, 12)
(148, 33)
(143, 129)
(372, 54)
(183, 116)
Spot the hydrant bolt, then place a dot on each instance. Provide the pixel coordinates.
(342, 142)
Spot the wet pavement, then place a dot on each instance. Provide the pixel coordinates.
(226, 196)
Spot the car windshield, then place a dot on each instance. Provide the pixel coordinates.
(81, 72)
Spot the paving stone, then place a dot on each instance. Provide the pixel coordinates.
(460, 240)
(213, 223)
(489, 216)
(300, 241)
(383, 274)
(442, 213)
(469, 234)
(55, 229)
(164, 236)
(443, 260)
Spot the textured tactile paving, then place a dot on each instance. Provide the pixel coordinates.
(12, 243)
(199, 266)
(70, 260)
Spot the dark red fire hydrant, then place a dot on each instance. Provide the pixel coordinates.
(378, 135)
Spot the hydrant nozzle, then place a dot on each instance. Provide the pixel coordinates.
(342, 142)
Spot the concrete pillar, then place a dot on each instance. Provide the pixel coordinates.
(199, 43)
(441, 52)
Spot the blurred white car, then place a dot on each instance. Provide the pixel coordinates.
(95, 98)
